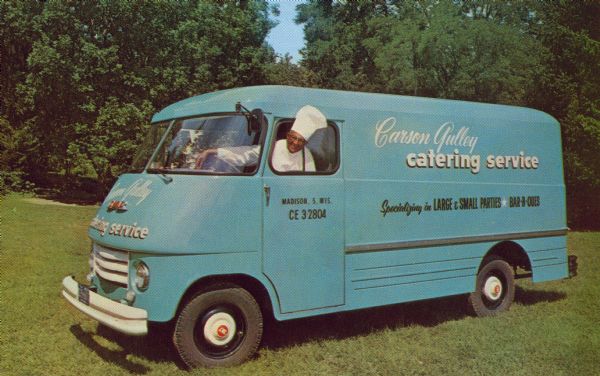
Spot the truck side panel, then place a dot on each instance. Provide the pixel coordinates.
(429, 194)
(396, 276)
(388, 277)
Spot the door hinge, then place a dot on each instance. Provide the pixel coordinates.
(267, 193)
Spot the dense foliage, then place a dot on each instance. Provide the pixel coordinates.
(80, 79)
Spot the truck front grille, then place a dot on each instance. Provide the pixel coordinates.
(111, 265)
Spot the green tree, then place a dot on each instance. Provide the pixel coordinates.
(285, 72)
(449, 49)
(479, 59)
(334, 32)
(83, 77)
(12, 143)
(111, 140)
(570, 90)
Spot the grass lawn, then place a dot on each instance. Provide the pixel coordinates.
(552, 329)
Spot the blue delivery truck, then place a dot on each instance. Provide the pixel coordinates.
(296, 202)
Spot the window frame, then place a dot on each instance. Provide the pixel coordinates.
(277, 123)
(261, 143)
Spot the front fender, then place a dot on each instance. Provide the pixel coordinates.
(171, 277)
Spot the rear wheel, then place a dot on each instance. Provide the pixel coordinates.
(495, 288)
(218, 328)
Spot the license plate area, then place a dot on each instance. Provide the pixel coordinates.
(84, 294)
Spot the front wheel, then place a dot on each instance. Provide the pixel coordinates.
(495, 288)
(218, 328)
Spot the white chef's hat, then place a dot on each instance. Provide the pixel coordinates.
(308, 120)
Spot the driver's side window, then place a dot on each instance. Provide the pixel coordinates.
(221, 144)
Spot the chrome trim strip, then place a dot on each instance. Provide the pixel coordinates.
(453, 241)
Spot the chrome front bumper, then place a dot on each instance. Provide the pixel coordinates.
(120, 317)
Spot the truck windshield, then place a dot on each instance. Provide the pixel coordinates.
(221, 144)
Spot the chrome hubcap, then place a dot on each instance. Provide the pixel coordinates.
(492, 288)
(219, 329)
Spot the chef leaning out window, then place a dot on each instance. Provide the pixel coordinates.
(308, 144)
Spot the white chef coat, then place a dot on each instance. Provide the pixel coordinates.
(284, 161)
(240, 155)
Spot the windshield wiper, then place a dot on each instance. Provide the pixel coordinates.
(165, 177)
(161, 172)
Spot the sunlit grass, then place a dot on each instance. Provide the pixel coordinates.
(552, 329)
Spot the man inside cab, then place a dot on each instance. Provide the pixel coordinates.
(290, 154)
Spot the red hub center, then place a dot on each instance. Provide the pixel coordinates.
(222, 331)
(497, 290)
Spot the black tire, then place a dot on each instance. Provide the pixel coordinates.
(495, 288)
(218, 328)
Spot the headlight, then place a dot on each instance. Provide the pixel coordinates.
(142, 276)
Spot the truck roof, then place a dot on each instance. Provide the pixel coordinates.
(276, 97)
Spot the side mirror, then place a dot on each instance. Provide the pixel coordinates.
(256, 120)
